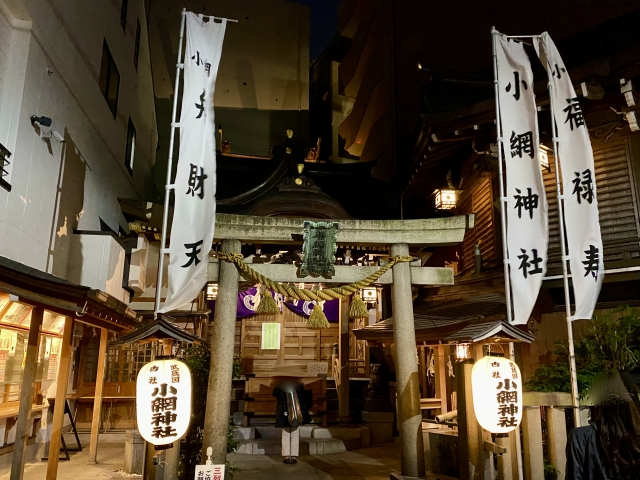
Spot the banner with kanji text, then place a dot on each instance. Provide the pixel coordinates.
(195, 182)
(526, 202)
(575, 156)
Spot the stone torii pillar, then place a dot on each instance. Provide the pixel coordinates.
(216, 419)
(407, 382)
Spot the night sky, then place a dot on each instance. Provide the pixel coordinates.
(324, 23)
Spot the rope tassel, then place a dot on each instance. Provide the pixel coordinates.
(358, 309)
(267, 305)
(317, 319)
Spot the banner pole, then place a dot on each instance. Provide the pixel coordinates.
(565, 276)
(503, 198)
(168, 185)
(503, 219)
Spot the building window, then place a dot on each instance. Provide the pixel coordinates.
(131, 147)
(123, 14)
(136, 48)
(109, 79)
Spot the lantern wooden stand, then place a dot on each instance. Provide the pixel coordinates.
(166, 331)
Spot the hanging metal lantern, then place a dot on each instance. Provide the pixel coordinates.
(446, 199)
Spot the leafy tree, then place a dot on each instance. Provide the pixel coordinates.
(612, 342)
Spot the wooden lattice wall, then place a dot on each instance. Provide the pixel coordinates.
(299, 344)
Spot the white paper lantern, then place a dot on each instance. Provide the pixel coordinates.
(497, 394)
(163, 398)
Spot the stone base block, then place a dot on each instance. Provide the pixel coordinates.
(441, 452)
(380, 425)
(245, 433)
(133, 452)
(377, 417)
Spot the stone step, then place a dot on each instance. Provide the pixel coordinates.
(308, 446)
(323, 446)
(314, 440)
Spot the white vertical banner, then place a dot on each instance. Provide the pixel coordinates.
(578, 183)
(195, 182)
(526, 202)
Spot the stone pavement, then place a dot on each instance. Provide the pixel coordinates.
(374, 463)
(110, 457)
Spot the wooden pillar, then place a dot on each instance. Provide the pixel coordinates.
(505, 466)
(475, 462)
(343, 355)
(532, 443)
(61, 400)
(422, 370)
(557, 440)
(26, 396)
(97, 401)
(441, 377)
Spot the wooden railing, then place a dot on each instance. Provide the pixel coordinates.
(551, 406)
(357, 368)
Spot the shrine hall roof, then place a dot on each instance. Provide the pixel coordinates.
(470, 320)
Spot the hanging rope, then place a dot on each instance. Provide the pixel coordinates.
(309, 295)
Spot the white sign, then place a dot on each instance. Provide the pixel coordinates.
(195, 182)
(270, 336)
(209, 472)
(163, 399)
(497, 394)
(526, 206)
(578, 183)
(317, 368)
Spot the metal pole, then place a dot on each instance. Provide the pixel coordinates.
(565, 276)
(503, 199)
(503, 218)
(168, 185)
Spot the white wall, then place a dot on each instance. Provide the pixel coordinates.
(59, 187)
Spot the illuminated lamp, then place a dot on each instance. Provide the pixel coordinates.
(497, 394)
(446, 199)
(163, 401)
(370, 295)
(462, 351)
(212, 291)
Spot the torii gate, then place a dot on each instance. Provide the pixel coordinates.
(398, 235)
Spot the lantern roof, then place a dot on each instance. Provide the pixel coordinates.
(490, 331)
(159, 329)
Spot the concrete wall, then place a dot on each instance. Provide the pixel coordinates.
(54, 58)
(263, 81)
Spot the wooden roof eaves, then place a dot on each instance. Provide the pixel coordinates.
(58, 295)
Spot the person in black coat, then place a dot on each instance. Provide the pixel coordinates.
(292, 410)
(609, 447)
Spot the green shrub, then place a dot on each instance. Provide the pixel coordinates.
(612, 342)
(197, 358)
